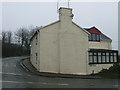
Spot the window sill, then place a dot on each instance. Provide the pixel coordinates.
(105, 63)
(94, 40)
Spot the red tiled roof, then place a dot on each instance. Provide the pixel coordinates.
(94, 30)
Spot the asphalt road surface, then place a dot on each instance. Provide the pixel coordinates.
(14, 76)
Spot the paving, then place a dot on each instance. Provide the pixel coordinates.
(26, 64)
(17, 72)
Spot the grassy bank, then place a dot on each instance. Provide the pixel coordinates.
(112, 72)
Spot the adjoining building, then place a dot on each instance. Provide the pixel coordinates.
(65, 47)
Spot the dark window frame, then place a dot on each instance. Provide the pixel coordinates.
(103, 51)
(94, 37)
(95, 55)
(90, 55)
(108, 56)
(36, 55)
(112, 57)
(36, 39)
(100, 57)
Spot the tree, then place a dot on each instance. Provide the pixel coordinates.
(22, 46)
(9, 36)
(23, 35)
(4, 37)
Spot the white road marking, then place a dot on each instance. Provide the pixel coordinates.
(14, 65)
(60, 84)
(14, 74)
(17, 82)
(9, 64)
(64, 84)
(44, 83)
(116, 85)
(24, 67)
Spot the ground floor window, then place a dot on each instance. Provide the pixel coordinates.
(102, 56)
(36, 57)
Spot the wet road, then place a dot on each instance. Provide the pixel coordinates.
(14, 76)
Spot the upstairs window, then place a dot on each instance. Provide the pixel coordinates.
(94, 37)
(36, 39)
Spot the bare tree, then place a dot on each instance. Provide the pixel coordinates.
(32, 30)
(22, 34)
(9, 36)
(4, 37)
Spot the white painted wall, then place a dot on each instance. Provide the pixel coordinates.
(97, 67)
(63, 48)
(100, 45)
(49, 48)
(34, 50)
(104, 44)
(72, 52)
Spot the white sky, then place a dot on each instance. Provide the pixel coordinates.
(103, 15)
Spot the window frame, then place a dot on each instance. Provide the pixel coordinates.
(90, 56)
(36, 55)
(94, 37)
(103, 54)
(36, 38)
(99, 56)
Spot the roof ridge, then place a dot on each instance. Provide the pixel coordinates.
(81, 28)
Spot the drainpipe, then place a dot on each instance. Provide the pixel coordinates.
(87, 62)
(39, 50)
(59, 28)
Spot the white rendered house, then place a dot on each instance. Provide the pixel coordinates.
(66, 48)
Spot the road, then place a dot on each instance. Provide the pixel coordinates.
(14, 76)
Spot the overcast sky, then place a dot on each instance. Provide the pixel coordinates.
(103, 15)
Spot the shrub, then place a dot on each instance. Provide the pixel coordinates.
(112, 72)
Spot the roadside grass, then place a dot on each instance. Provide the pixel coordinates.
(113, 72)
(15, 56)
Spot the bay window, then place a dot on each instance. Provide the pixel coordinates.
(102, 56)
(107, 57)
(115, 57)
(95, 57)
(99, 57)
(90, 57)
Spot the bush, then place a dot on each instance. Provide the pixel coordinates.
(9, 50)
(112, 72)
